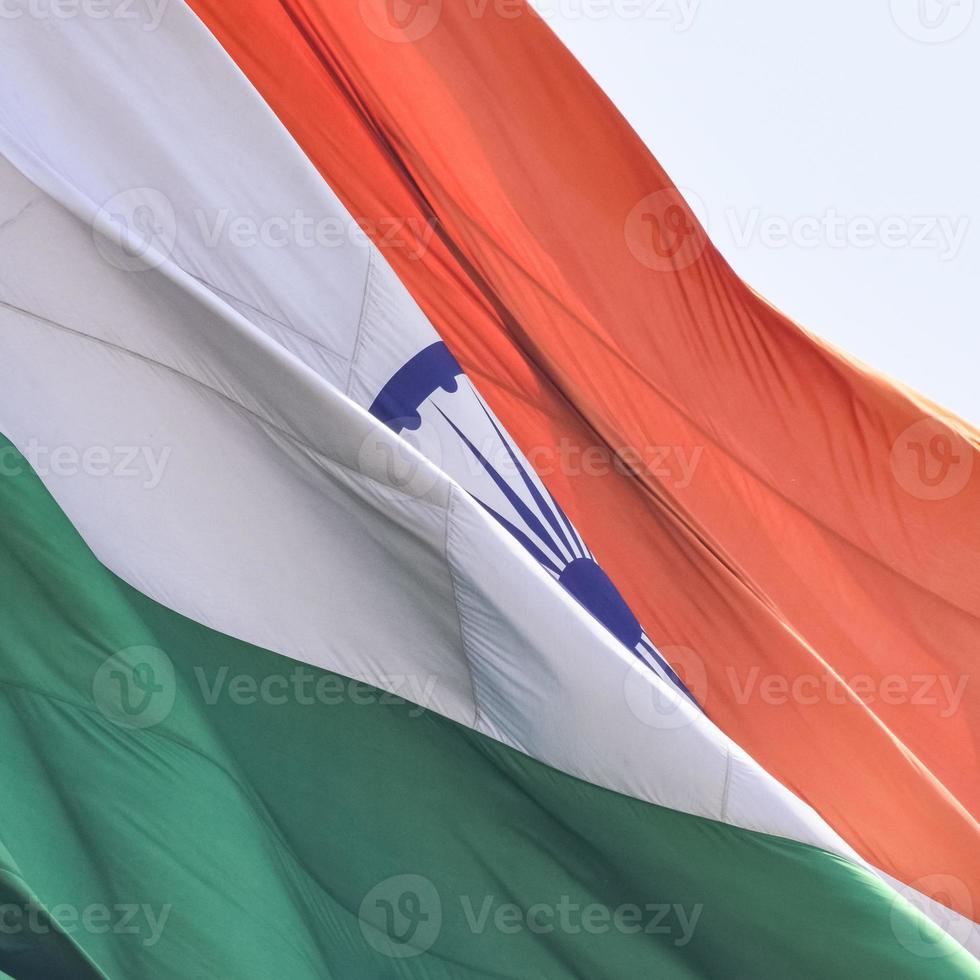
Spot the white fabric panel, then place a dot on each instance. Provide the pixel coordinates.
(282, 515)
(161, 132)
(278, 519)
(164, 119)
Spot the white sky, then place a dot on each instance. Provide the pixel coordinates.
(794, 122)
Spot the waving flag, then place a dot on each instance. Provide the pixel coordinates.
(825, 554)
(309, 668)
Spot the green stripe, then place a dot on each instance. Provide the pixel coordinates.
(33, 946)
(241, 840)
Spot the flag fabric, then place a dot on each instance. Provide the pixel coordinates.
(209, 517)
(195, 832)
(798, 535)
(308, 668)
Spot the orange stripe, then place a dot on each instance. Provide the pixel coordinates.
(832, 525)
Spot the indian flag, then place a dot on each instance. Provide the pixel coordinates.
(317, 659)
